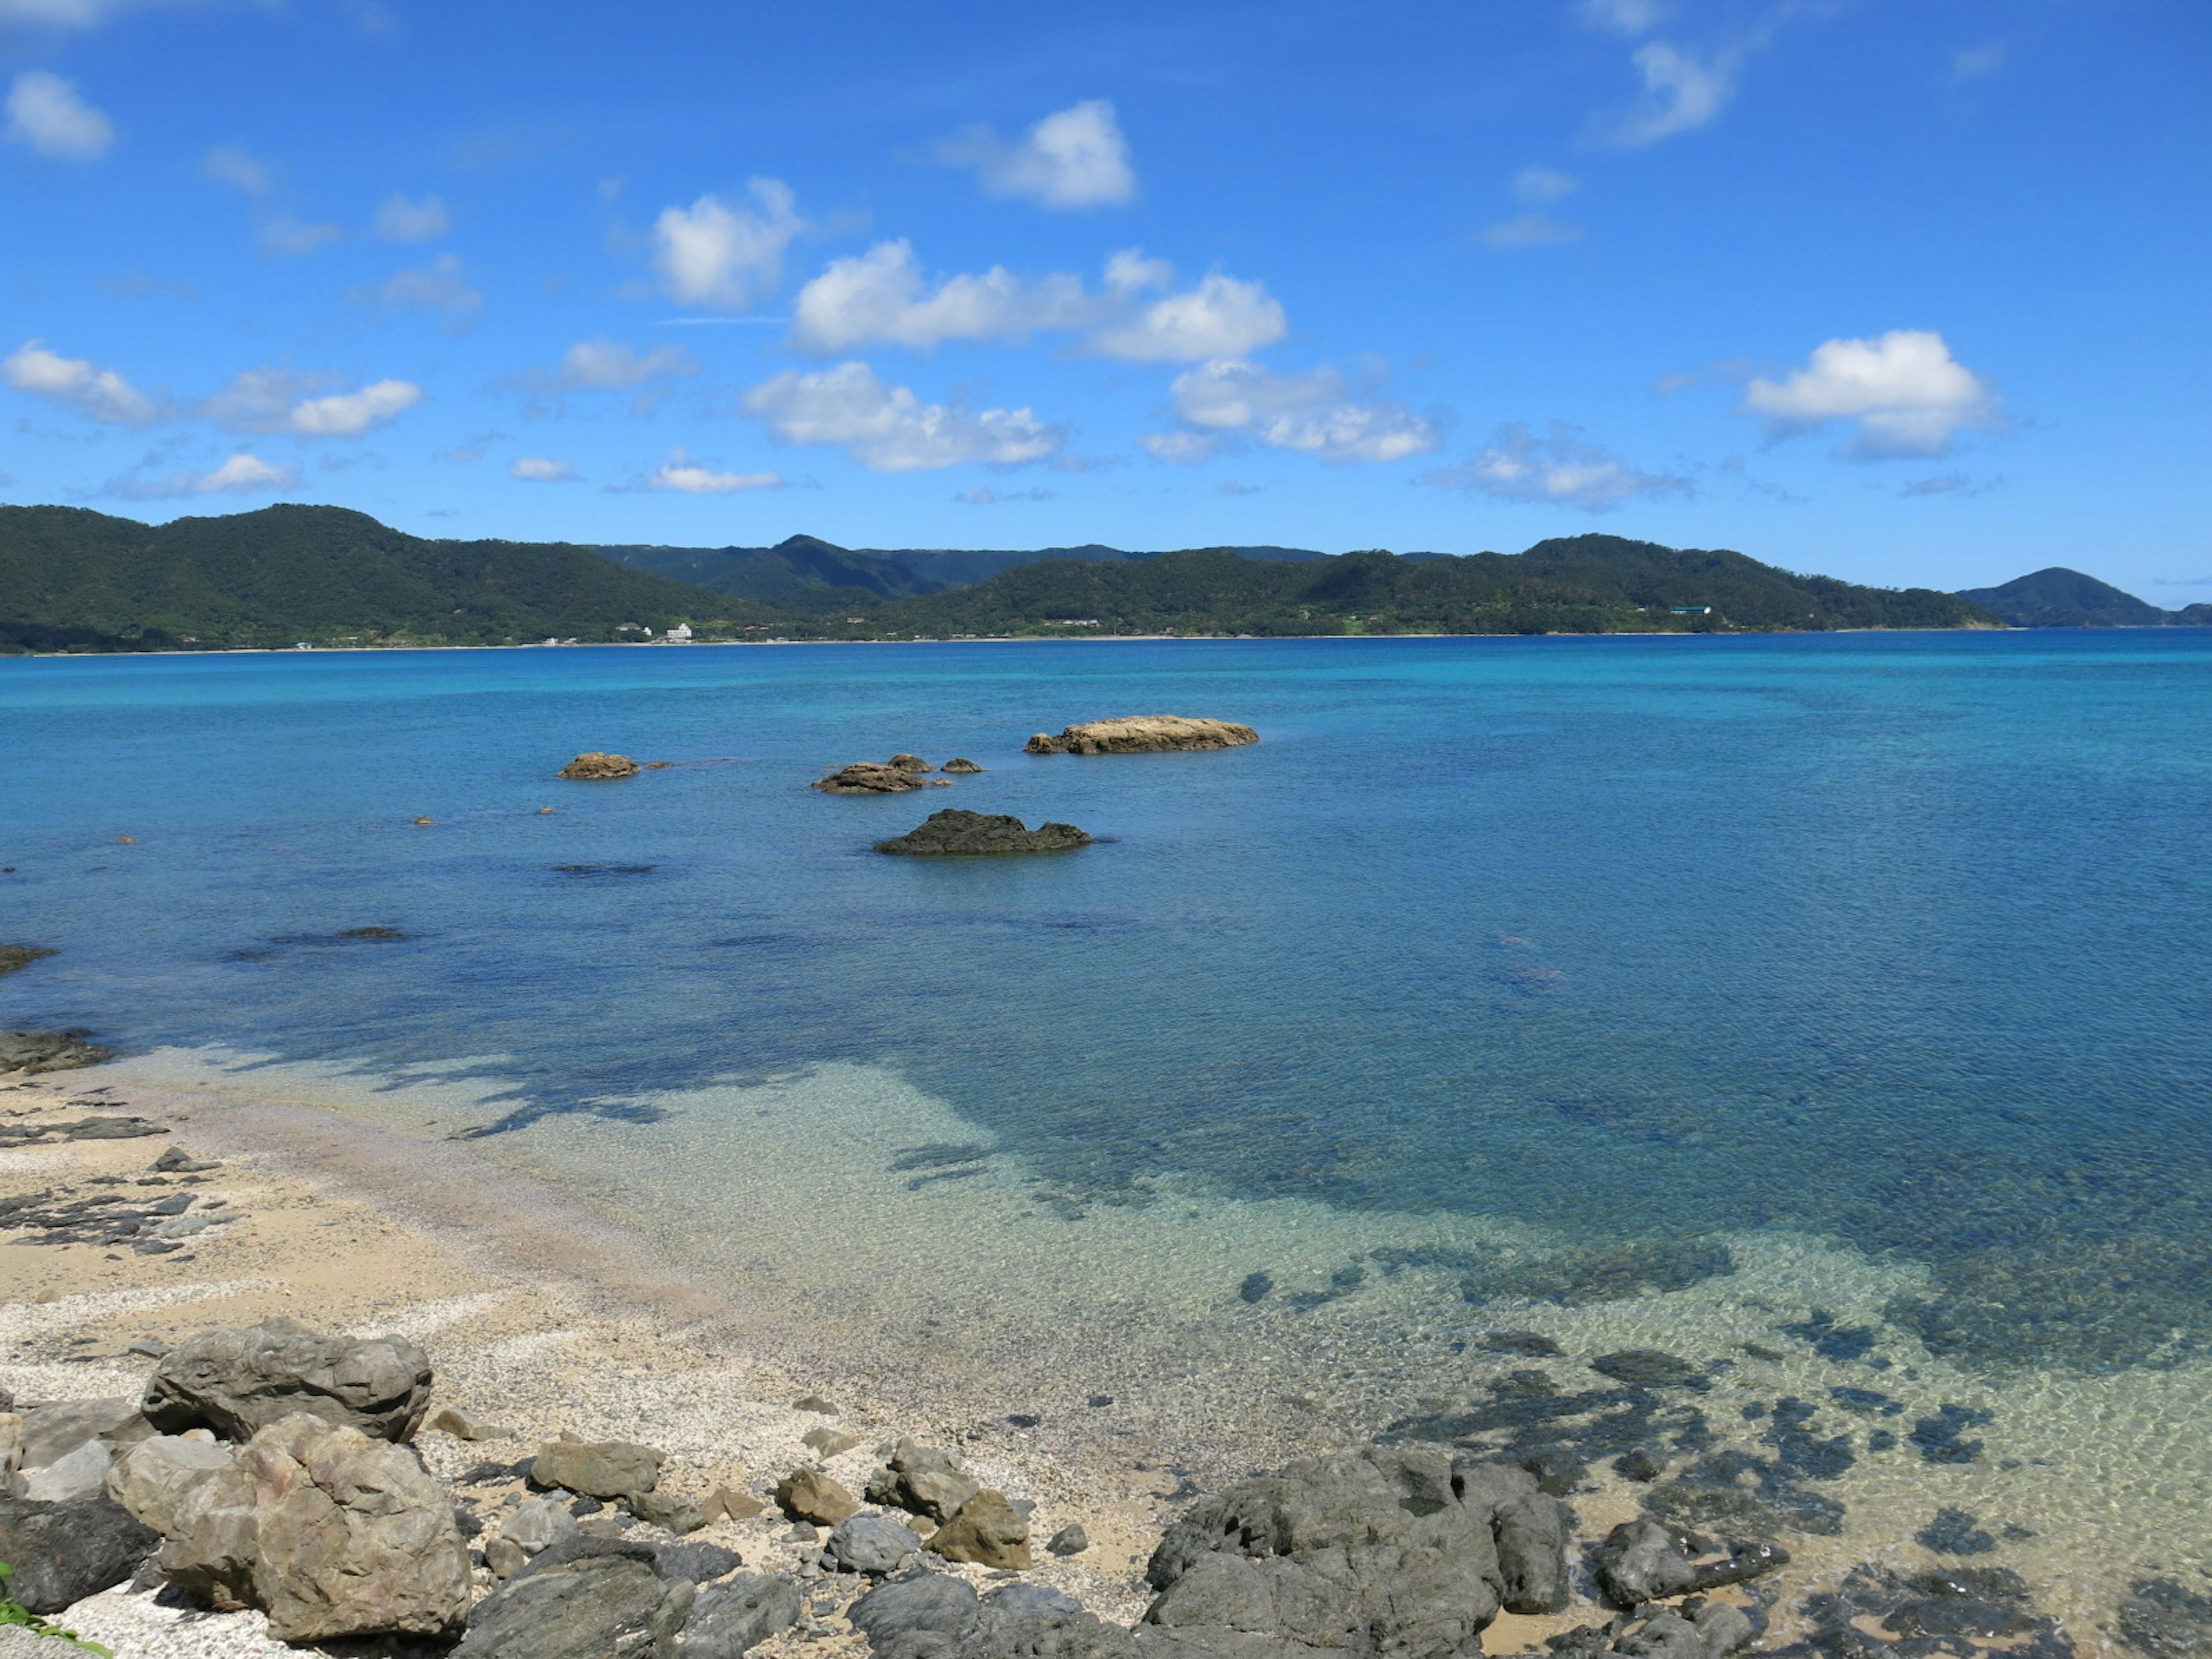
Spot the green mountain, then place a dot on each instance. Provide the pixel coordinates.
(2059, 598)
(72, 579)
(1579, 584)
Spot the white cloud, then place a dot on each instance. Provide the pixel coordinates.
(609, 365)
(889, 429)
(1541, 186)
(276, 400)
(45, 111)
(439, 287)
(227, 164)
(982, 496)
(60, 13)
(244, 474)
(400, 220)
(1902, 390)
(1222, 317)
(1559, 470)
(1681, 91)
(1628, 17)
(1531, 230)
(1312, 413)
(1076, 158)
(76, 384)
(881, 295)
(539, 469)
(680, 473)
(289, 238)
(722, 258)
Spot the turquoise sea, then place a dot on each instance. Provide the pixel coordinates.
(1641, 949)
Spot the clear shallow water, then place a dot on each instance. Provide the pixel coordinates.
(1893, 940)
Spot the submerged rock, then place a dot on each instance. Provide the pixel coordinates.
(1138, 734)
(958, 833)
(594, 766)
(14, 958)
(867, 778)
(34, 1052)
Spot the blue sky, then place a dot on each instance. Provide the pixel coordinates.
(1909, 292)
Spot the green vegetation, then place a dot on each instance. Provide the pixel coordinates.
(75, 580)
(2059, 598)
(1574, 585)
(12, 1611)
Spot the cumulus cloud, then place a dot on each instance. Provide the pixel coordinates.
(440, 286)
(1222, 317)
(679, 472)
(888, 429)
(400, 220)
(46, 112)
(881, 295)
(242, 474)
(227, 164)
(1681, 91)
(289, 239)
(721, 256)
(539, 469)
(1557, 470)
(1902, 392)
(1314, 414)
(77, 384)
(1076, 158)
(277, 400)
(609, 365)
(1531, 230)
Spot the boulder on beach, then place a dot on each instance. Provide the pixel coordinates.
(586, 1598)
(602, 1468)
(810, 1496)
(238, 1382)
(594, 766)
(63, 1553)
(923, 1480)
(867, 778)
(986, 1530)
(954, 833)
(1143, 734)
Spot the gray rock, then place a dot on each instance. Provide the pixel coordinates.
(1645, 1560)
(958, 833)
(78, 1473)
(50, 1432)
(110, 1129)
(1664, 1636)
(63, 1553)
(731, 1619)
(175, 1160)
(867, 778)
(924, 1480)
(34, 1052)
(925, 1617)
(606, 1469)
(871, 1544)
(1070, 1539)
(239, 1382)
(1724, 1629)
(666, 1510)
(152, 1478)
(584, 1607)
(697, 1561)
(538, 1524)
(1373, 1549)
(505, 1557)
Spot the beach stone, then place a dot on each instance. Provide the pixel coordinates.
(1724, 1629)
(1366, 1550)
(1639, 1464)
(51, 1432)
(11, 1448)
(960, 763)
(583, 1606)
(828, 1441)
(1955, 1532)
(538, 1524)
(871, 1544)
(810, 1496)
(1646, 1560)
(110, 1129)
(815, 1403)
(595, 766)
(697, 1561)
(1133, 734)
(867, 778)
(923, 1480)
(666, 1510)
(151, 1478)
(1531, 1529)
(1070, 1539)
(78, 1473)
(1663, 1636)
(505, 1557)
(601, 1469)
(63, 1553)
(954, 833)
(919, 1618)
(240, 1382)
(462, 1426)
(733, 1618)
(175, 1160)
(737, 1505)
(986, 1530)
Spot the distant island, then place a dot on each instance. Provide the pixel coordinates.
(72, 580)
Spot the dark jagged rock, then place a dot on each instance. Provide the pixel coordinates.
(2165, 1619)
(109, 1128)
(735, 1617)
(63, 1553)
(954, 833)
(14, 958)
(581, 1606)
(35, 1052)
(1830, 1340)
(867, 778)
(923, 1480)
(909, 764)
(960, 763)
(1875, 1613)
(1643, 1561)
(936, 1616)
(871, 1544)
(1576, 1278)
(1138, 734)
(237, 1383)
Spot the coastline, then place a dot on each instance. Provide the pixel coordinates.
(556, 1296)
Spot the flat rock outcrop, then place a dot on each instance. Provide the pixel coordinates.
(34, 1052)
(237, 1383)
(14, 958)
(956, 834)
(595, 766)
(1143, 734)
(867, 778)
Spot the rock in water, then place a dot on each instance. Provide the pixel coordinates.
(602, 1468)
(960, 763)
(923, 1480)
(909, 764)
(14, 958)
(34, 1052)
(237, 1383)
(63, 1553)
(579, 1605)
(956, 834)
(867, 778)
(1143, 734)
(987, 1531)
(594, 766)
